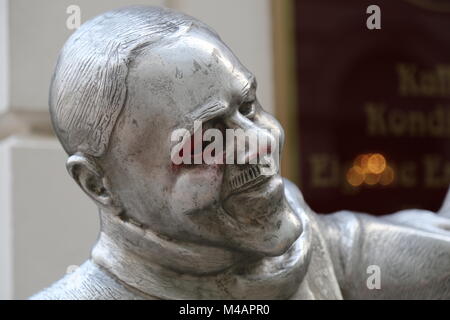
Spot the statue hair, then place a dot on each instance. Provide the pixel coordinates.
(89, 86)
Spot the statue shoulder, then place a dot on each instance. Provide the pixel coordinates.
(87, 282)
(341, 231)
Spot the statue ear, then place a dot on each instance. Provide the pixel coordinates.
(90, 177)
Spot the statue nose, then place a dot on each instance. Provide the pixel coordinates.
(249, 143)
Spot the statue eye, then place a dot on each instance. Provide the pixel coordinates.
(247, 109)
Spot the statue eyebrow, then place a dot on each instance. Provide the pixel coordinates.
(213, 109)
(208, 111)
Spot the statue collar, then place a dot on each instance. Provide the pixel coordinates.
(143, 261)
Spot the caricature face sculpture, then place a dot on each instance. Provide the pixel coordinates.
(172, 71)
(123, 83)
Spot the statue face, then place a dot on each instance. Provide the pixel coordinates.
(170, 86)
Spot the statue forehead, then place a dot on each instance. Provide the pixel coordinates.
(188, 70)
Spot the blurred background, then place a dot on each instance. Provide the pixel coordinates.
(362, 92)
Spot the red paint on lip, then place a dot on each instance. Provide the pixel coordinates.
(267, 150)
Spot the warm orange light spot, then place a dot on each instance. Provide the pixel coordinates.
(372, 179)
(371, 169)
(376, 163)
(355, 176)
(361, 161)
(387, 177)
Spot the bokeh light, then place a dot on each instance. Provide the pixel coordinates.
(387, 177)
(376, 163)
(371, 179)
(370, 169)
(355, 176)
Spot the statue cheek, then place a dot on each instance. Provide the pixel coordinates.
(197, 188)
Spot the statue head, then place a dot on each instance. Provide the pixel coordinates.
(124, 82)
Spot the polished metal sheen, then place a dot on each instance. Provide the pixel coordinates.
(123, 82)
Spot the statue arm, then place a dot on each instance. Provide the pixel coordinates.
(408, 251)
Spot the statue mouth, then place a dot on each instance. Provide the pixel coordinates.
(246, 178)
(251, 197)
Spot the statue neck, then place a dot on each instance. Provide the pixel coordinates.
(168, 269)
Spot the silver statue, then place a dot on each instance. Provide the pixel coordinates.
(123, 82)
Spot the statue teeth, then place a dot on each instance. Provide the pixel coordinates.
(244, 177)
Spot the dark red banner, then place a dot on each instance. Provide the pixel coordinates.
(374, 104)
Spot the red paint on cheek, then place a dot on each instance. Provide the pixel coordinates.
(175, 167)
(179, 167)
(190, 147)
(184, 166)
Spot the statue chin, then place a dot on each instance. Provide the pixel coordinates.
(261, 218)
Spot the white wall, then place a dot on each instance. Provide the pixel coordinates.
(6, 228)
(52, 223)
(46, 222)
(4, 52)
